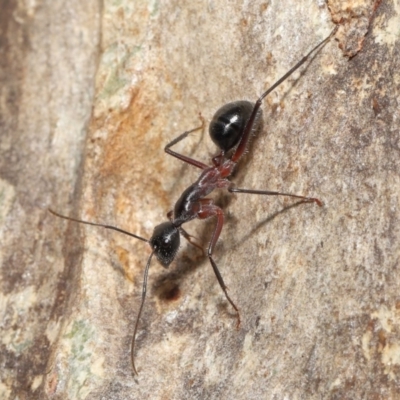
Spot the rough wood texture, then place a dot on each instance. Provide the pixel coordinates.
(318, 288)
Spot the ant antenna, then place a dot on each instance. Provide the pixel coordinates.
(114, 228)
(146, 272)
(144, 291)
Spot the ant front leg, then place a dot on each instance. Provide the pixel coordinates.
(271, 193)
(209, 209)
(181, 157)
(186, 235)
(190, 238)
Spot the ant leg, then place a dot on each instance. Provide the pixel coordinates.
(189, 238)
(207, 210)
(241, 149)
(170, 215)
(186, 235)
(271, 193)
(181, 157)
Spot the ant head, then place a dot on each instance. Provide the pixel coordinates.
(165, 242)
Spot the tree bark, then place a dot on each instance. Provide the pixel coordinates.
(91, 94)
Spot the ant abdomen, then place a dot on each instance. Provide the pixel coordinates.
(228, 123)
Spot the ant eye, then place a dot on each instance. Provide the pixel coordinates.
(165, 242)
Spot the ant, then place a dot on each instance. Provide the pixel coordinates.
(230, 129)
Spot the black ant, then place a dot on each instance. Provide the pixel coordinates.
(230, 129)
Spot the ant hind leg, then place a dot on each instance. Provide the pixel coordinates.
(182, 157)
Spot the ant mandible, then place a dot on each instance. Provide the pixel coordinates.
(230, 129)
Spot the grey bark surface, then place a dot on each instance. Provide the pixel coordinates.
(90, 94)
